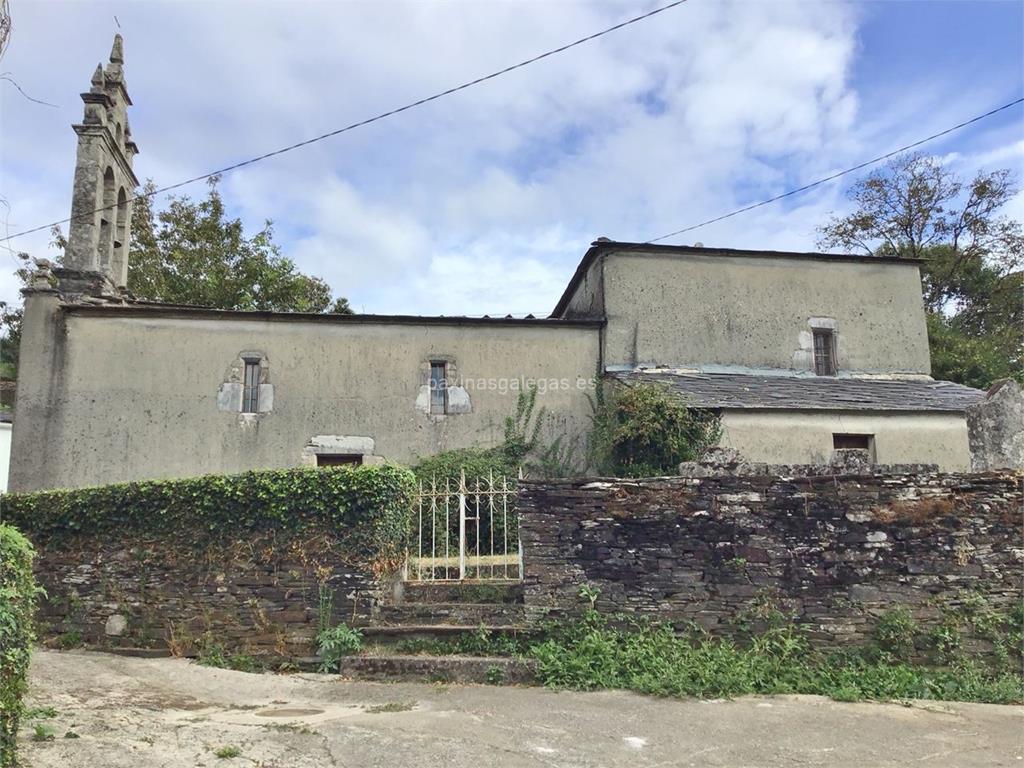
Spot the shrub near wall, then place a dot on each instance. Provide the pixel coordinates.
(17, 603)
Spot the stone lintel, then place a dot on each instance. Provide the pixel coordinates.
(340, 444)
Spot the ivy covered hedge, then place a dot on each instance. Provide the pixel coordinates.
(367, 505)
(17, 604)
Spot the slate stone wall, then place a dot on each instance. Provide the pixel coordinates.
(728, 462)
(835, 551)
(255, 596)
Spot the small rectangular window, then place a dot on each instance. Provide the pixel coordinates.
(857, 442)
(338, 459)
(251, 387)
(824, 353)
(438, 386)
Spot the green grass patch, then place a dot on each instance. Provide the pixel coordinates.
(769, 655)
(69, 640)
(41, 732)
(650, 658)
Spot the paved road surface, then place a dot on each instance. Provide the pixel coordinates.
(155, 713)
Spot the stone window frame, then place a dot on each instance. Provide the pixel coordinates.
(231, 395)
(457, 400)
(823, 354)
(819, 326)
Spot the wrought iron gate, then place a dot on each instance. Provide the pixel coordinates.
(465, 531)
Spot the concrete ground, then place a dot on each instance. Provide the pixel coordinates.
(171, 713)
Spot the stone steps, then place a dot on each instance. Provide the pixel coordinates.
(452, 613)
(477, 592)
(449, 610)
(494, 670)
(389, 635)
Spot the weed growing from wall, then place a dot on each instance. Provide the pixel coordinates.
(325, 604)
(336, 643)
(521, 449)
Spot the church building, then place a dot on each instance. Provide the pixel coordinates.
(801, 354)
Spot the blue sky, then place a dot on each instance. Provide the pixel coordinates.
(485, 201)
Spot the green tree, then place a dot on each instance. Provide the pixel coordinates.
(192, 253)
(10, 329)
(915, 207)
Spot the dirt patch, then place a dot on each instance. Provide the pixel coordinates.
(288, 712)
(126, 713)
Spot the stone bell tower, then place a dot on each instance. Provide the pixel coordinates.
(104, 182)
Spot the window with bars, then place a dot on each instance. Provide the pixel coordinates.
(824, 352)
(251, 387)
(438, 386)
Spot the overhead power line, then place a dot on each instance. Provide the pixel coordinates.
(374, 119)
(819, 182)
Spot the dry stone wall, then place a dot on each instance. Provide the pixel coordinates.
(258, 596)
(835, 551)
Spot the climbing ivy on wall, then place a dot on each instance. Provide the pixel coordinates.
(369, 506)
(17, 603)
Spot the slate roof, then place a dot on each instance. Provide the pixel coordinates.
(747, 391)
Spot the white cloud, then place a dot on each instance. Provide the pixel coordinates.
(480, 202)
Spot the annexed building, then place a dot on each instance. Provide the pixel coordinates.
(801, 353)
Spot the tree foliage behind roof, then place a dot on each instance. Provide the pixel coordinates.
(973, 259)
(192, 253)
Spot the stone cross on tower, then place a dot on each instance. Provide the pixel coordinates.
(104, 182)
